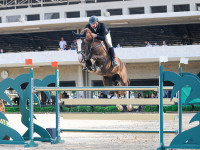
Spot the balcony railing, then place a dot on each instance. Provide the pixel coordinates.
(127, 55)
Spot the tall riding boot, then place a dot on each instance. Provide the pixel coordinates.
(112, 55)
(76, 35)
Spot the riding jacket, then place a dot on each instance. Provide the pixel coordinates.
(101, 31)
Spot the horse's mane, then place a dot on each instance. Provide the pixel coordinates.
(88, 35)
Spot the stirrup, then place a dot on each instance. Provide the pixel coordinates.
(84, 68)
(87, 68)
(115, 63)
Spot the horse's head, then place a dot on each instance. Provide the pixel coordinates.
(88, 35)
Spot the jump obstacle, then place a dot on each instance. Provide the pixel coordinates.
(186, 139)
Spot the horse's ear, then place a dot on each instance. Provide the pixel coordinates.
(82, 31)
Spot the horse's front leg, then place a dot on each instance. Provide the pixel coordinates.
(81, 60)
(87, 64)
(94, 67)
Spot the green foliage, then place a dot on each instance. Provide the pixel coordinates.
(173, 108)
(151, 108)
(187, 108)
(74, 109)
(104, 109)
(44, 109)
(149, 93)
(170, 108)
(81, 109)
(36, 109)
(12, 109)
(197, 108)
(64, 109)
(99, 109)
(111, 109)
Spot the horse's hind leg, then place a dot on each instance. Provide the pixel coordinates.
(108, 81)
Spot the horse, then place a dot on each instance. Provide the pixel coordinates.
(95, 56)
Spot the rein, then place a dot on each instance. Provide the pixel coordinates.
(93, 48)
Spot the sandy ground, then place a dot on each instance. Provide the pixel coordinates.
(100, 141)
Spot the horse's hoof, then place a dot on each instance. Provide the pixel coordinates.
(94, 69)
(119, 107)
(129, 107)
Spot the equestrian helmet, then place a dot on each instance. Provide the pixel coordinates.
(93, 19)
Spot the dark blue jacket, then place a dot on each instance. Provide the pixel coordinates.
(101, 31)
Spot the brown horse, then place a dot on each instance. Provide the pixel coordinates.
(96, 57)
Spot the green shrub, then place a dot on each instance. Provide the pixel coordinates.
(197, 108)
(64, 109)
(187, 108)
(171, 108)
(111, 109)
(74, 109)
(12, 109)
(104, 109)
(84, 108)
(151, 108)
(99, 109)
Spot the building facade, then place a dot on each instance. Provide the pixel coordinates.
(132, 22)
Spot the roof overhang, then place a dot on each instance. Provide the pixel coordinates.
(192, 17)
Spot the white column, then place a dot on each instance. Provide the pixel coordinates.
(89, 81)
(23, 18)
(79, 44)
(147, 10)
(193, 7)
(80, 81)
(125, 11)
(82, 12)
(103, 10)
(41, 16)
(170, 8)
(3, 19)
(62, 14)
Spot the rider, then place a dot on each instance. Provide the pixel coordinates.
(100, 32)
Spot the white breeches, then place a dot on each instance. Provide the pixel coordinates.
(108, 40)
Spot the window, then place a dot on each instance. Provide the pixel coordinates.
(100, 1)
(179, 8)
(158, 9)
(67, 84)
(136, 10)
(13, 18)
(93, 13)
(144, 82)
(75, 14)
(32, 17)
(114, 12)
(51, 16)
(74, 2)
(198, 7)
(90, 1)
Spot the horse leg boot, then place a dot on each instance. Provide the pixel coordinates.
(88, 65)
(112, 55)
